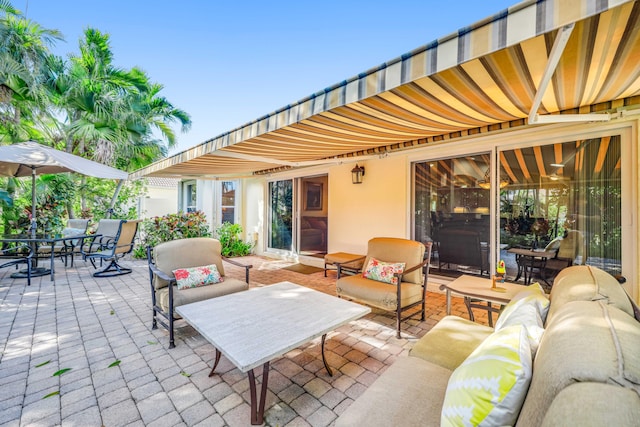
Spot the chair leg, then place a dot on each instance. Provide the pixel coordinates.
(154, 321)
(398, 321)
(112, 269)
(172, 343)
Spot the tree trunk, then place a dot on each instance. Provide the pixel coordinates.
(83, 200)
(115, 197)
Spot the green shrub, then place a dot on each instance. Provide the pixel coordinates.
(156, 230)
(232, 244)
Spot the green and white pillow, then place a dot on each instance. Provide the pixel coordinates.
(528, 307)
(489, 387)
(532, 294)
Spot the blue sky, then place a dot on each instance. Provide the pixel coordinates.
(227, 63)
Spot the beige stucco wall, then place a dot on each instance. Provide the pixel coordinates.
(375, 208)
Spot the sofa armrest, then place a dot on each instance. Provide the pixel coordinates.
(239, 264)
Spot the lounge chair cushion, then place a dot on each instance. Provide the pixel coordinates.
(593, 285)
(588, 341)
(609, 405)
(186, 253)
(378, 294)
(399, 391)
(194, 277)
(188, 296)
(394, 250)
(450, 341)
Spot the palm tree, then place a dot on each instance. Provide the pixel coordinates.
(24, 52)
(85, 105)
(110, 114)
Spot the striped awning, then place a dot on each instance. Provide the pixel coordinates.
(481, 76)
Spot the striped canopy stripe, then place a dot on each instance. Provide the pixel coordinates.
(484, 75)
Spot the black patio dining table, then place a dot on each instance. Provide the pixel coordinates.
(39, 240)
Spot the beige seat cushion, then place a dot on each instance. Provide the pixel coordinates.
(391, 249)
(377, 294)
(587, 283)
(609, 405)
(450, 341)
(587, 341)
(186, 253)
(409, 393)
(186, 296)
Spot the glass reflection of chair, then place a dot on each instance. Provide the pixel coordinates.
(569, 248)
(566, 251)
(462, 247)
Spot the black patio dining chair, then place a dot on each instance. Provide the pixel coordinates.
(67, 248)
(105, 233)
(16, 255)
(113, 250)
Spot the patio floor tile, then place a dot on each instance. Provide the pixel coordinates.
(86, 324)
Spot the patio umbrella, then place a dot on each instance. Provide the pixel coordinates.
(31, 158)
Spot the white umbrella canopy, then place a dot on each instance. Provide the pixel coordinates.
(23, 158)
(31, 158)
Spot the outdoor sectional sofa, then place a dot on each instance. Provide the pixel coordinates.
(586, 370)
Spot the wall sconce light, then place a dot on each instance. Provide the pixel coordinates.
(356, 174)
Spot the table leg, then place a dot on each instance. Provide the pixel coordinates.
(467, 302)
(215, 363)
(448, 297)
(326, 365)
(257, 409)
(52, 260)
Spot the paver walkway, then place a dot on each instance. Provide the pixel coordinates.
(80, 351)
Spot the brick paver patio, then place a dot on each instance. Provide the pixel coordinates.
(80, 351)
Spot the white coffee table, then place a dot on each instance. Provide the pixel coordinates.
(252, 328)
(479, 288)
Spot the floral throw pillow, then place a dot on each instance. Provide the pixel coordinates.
(194, 277)
(383, 271)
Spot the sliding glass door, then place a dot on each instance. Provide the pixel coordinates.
(567, 198)
(281, 215)
(562, 199)
(298, 215)
(451, 209)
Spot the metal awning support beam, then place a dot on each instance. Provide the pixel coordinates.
(559, 45)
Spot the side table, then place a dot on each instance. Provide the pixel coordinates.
(350, 263)
(474, 288)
